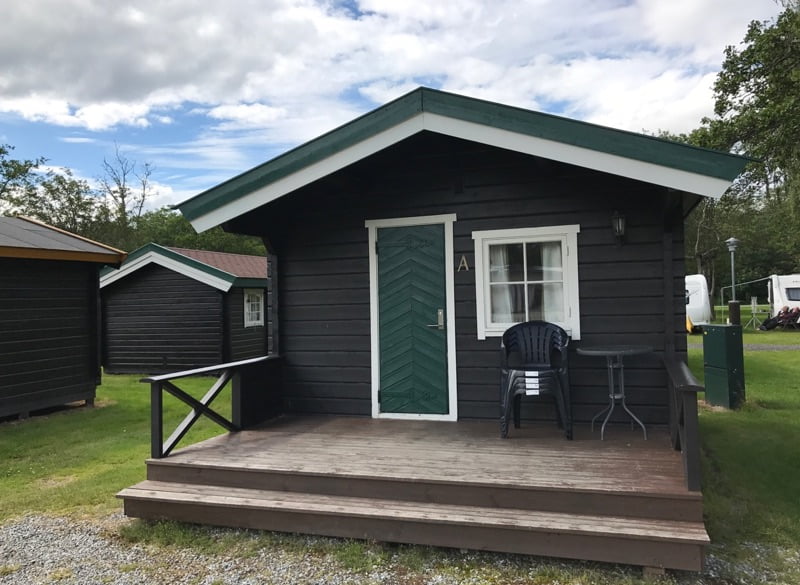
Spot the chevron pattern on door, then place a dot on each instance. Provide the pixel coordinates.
(411, 291)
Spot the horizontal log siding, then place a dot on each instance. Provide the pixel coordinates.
(244, 342)
(321, 242)
(159, 321)
(48, 334)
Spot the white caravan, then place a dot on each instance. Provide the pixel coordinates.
(698, 305)
(783, 291)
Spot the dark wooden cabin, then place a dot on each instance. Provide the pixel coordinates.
(505, 215)
(49, 315)
(168, 309)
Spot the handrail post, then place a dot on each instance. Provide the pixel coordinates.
(691, 455)
(684, 421)
(156, 420)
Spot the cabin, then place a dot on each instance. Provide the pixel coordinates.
(166, 309)
(404, 244)
(49, 315)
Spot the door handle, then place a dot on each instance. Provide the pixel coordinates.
(439, 320)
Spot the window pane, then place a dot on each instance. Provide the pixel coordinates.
(508, 303)
(544, 261)
(505, 263)
(546, 302)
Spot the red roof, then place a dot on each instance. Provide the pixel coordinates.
(240, 265)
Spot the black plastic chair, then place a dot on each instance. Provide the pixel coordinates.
(534, 360)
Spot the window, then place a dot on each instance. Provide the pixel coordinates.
(253, 307)
(526, 274)
(793, 294)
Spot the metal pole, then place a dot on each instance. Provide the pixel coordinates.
(733, 277)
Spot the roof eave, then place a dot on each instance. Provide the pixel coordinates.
(156, 254)
(646, 158)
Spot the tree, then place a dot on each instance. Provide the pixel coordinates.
(17, 177)
(757, 104)
(757, 114)
(63, 201)
(125, 186)
(169, 228)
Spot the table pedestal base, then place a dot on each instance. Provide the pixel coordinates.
(614, 364)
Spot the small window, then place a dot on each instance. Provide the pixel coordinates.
(793, 294)
(526, 274)
(253, 307)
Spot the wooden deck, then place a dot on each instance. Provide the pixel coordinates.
(620, 500)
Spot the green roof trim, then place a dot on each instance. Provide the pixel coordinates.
(212, 271)
(623, 143)
(301, 156)
(609, 141)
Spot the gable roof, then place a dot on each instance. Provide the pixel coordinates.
(628, 154)
(23, 237)
(219, 270)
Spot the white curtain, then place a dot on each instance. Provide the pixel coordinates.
(507, 300)
(553, 292)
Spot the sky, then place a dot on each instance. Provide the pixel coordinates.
(203, 91)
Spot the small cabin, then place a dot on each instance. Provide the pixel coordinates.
(49, 315)
(168, 309)
(404, 244)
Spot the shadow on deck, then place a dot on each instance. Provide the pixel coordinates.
(619, 500)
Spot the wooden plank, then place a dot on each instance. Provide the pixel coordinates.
(550, 498)
(401, 449)
(649, 543)
(356, 469)
(207, 370)
(641, 529)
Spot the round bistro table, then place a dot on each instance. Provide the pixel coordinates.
(616, 391)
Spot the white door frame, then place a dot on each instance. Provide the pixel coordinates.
(450, 313)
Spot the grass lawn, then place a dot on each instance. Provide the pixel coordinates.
(72, 462)
(751, 468)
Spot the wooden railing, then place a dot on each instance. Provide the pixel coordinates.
(254, 398)
(683, 423)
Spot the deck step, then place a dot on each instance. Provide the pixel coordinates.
(503, 492)
(638, 541)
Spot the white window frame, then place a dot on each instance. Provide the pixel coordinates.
(248, 320)
(566, 234)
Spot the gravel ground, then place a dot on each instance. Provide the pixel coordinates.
(38, 550)
(44, 550)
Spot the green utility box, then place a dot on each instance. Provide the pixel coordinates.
(723, 360)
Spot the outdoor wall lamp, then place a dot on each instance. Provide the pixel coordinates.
(618, 226)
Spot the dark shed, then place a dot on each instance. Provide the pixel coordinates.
(168, 309)
(49, 315)
(505, 214)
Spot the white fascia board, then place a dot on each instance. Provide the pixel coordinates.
(310, 174)
(549, 149)
(578, 156)
(169, 263)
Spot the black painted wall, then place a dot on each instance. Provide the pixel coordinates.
(159, 321)
(244, 342)
(320, 240)
(48, 333)
(156, 320)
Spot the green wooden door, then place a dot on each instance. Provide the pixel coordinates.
(413, 347)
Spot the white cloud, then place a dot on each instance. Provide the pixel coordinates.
(235, 76)
(97, 65)
(239, 116)
(77, 140)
